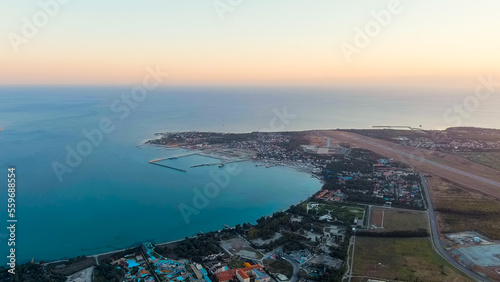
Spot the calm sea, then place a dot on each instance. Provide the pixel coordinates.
(115, 198)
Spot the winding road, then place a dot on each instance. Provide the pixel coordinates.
(435, 236)
(295, 265)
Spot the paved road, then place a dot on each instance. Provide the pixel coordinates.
(369, 217)
(350, 259)
(435, 236)
(296, 267)
(294, 263)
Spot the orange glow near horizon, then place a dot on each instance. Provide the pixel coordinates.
(255, 44)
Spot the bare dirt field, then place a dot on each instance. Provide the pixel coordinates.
(472, 175)
(82, 276)
(73, 266)
(240, 247)
(376, 218)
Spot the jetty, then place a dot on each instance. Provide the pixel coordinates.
(181, 156)
(173, 158)
(171, 167)
(155, 162)
(221, 164)
(210, 164)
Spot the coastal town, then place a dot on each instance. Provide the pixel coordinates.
(449, 140)
(361, 176)
(365, 196)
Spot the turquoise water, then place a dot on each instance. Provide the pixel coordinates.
(131, 263)
(115, 198)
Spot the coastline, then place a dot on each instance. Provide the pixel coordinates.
(225, 155)
(215, 155)
(242, 158)
(96, 256)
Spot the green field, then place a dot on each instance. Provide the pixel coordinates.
(461, 209)
(398, 220)
(489, 159)
(236, 263)
(358, 212)
(279, 266)
(406, 259)
(348, 211)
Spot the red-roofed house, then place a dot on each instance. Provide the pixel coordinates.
(226, 275)
(242, 276)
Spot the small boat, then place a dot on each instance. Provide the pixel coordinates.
(227, 226)
(221, 165)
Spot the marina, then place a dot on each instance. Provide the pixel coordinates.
(155, 162)
(173, 158)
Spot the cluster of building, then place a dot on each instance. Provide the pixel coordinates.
(477, 253)
(187, 138)
(200, 272)
(249, 273)
(135, 267)
(150, 266)
(468, 238)
(331, 195)
(328, 150)
(314, 156)
(446, 144)
(270, 148)
(216, 267)
(392, 184)
(300, 256)
(388, 183)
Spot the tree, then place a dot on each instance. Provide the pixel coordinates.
(253, 233)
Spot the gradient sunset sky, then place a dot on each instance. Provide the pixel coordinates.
(258, 42)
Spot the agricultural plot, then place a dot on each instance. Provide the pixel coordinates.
(405, 259)
(388, 219)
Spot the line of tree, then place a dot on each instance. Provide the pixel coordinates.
(395, 234)
(31, 272)
(470, 213)
(196, 248)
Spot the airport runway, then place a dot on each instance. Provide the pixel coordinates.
(478, 177)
